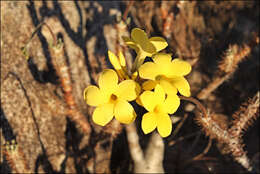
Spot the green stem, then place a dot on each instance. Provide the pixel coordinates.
(139, 60)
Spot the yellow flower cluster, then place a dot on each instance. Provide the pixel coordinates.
(153, 85)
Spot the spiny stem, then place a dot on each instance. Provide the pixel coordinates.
(15, 157)
(232, 57)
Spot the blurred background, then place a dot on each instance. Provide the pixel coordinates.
(204, 33)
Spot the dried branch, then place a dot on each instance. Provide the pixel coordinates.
(201, 155)
(60, 65)
(215, 131)
(198, 104)
(178, 127)
(114, 128)
(245, 116)
(129, 5)
(205, 151)
(173, 142)
(154, 154)
(152, 160)
(16, 158)
(232, 137)
(217, 81)
(134, 146)
(233, 56)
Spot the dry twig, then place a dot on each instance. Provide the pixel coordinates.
(245, 116)
(231, 137)
(233, 56)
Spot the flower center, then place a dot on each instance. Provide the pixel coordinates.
(157, 109)
(113, 98)
(161, 77)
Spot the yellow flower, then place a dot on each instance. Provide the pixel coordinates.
(119, 64)
(143, 45)
(166, 72)
(158, 108)
(111, 99)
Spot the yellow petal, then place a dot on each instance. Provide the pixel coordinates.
(148, 100)
(124, 112)
(103, 114)
(140, 38)
(138, 101)
(159, 94)
(130, 43)
(180, 68)
(149, 85)
(167, 86)
(159, 43)
(122, 59)
(128, 90)
(108, 81)
(93, 96)
(182, 85)
(164, 124)
(127, 39)
(139, 60)
(138, 89)
(171, 103)
(134, 75)
(149, 49)
(135, 47)
(163, 62)
(148, 122)
(114, 60)
(148, 70)
(162, 58)
(119, 64)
